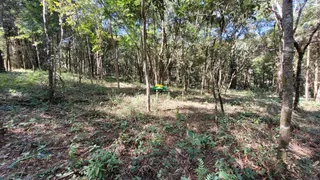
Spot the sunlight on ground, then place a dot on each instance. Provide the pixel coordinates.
(44, 139)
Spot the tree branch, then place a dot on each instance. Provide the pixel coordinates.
(311, 36)
(277, 17)
(299, 16)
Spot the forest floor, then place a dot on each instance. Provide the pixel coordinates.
(181, 138)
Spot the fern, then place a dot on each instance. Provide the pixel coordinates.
(211, 177)
(201, 170)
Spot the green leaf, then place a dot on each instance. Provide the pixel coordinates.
(223, 174)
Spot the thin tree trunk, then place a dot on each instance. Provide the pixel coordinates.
(38, 57)
(298, 80)
(60, 42)
(316, 73)
(8, 63)
(212, 81)
(218, 83)
(143, 53)
(2, 68)
(47, 54)
(307, 93)
(98, 56)
(287, 77)
(115, 54)
(279, 87)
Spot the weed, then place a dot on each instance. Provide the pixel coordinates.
(73, 151)
(102, 165)
(179, 116)
(123, 124)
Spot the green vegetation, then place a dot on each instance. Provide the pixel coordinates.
(87, 134)
(159, 89)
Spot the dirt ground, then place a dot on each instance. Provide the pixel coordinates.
(56, 141)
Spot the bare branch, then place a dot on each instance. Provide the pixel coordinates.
(277, 16)
(299, 16)
(311, 36)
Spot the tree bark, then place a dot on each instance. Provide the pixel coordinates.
(298, 80)
(2, 68)
(47, 54)
(307, 93)
(316, 73)
(38, 56)
(115, 54)
(279, 84)
(143, 53)
(287, 75)
(8, 63)
(99, 57)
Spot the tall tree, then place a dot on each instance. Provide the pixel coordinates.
(287, 75)
(144, 52)
(301, 51)
(47, 49)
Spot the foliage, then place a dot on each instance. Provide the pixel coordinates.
(201, 170)
(103, 164)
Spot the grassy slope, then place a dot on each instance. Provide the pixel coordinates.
(166, 143)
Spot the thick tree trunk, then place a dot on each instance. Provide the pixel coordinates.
(287, 76)
(307, 93)
(143, 53)
(47, 54)
(298, 80)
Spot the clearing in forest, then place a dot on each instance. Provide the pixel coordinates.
(96, 125)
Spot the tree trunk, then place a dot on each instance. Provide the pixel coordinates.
(232, 74)
(143, 53)
(38, 57)
(60, 42)
(98, 55)
(218, 83)
(298, 80)
(115, 54)
(316, 73)
(2, 68)
(318, 96)
(279, 84)
(47, 54)
(8, 63)
(307, 93)
(287, 76)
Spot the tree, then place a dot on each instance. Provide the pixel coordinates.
(47, 49)
(9, 10)
(144, 53)
(2, 68)
(301, 51)
(307, 93)
(287, 75)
